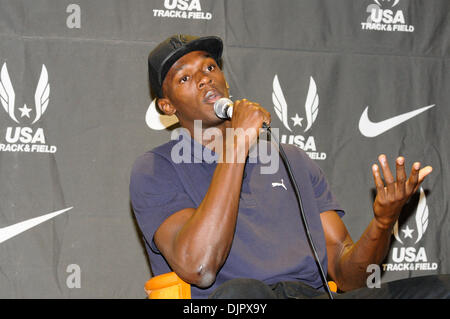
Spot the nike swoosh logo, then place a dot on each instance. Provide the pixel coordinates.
(372, 129)
(16, 229)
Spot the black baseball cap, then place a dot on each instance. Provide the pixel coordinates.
(161, 59)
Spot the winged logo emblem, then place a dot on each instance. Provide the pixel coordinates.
(281, 107)
(421, 218)
(421, 215)
(7, 95)
(393, 5)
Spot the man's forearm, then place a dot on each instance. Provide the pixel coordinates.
(205, 240)
(371, 248)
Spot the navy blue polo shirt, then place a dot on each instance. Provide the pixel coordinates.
(269, 242)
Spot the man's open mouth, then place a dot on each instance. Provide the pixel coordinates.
(212, 96)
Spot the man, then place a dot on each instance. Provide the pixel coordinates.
(216, 224)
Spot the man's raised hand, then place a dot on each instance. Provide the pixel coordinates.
(392, 194)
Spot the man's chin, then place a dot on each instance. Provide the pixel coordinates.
(211, 121)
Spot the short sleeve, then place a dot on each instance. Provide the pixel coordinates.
(324, 197)
(325, 200)
(156, 193)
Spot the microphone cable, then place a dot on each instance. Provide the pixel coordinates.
(302, 213)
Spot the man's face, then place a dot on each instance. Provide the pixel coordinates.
(191, 87)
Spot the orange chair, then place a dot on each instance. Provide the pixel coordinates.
(170, 286)
(332, 285)
(167, 286)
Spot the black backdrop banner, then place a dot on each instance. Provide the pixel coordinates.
(76, 112)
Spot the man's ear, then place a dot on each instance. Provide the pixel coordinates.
(165, 106)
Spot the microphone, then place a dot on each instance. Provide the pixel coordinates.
(223, 108)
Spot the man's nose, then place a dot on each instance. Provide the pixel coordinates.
(204, 80)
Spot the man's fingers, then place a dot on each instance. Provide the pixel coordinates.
(392, 193)
(424, 172)
(378, 181)
(413, 180)
(401, 177)
(388, 178)
(418, 179)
